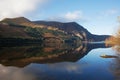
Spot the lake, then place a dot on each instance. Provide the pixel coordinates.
(59, 62)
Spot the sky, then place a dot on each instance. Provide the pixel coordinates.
(97, 16)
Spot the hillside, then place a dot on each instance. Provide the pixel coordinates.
(75, 29)
(49, 31)
(8, 31)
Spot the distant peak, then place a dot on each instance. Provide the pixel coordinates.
(21, 18)
(16, 20)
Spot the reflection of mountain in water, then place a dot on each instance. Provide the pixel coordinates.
(22, 56)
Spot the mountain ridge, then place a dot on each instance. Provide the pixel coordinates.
(78, 27)
(68, 28)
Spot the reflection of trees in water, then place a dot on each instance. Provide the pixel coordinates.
(116, 64)
(115, 68)
(117, 48)
(21, 56)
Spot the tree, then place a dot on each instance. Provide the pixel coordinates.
(115, 39)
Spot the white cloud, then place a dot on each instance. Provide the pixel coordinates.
(107, 14)
(14, 73)
(76, 15)
(110, 12)
(113, 11)
(68, 66)
(15, 8)
(69, 17)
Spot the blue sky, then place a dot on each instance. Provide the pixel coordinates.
(98, 16)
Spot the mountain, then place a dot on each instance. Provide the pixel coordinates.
(18, 20)
(74, 28)
(50, 31)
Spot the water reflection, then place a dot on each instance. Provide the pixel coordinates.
(57, 71)
(24, 55)
(51, 62)
(13, 73)
(115, 68)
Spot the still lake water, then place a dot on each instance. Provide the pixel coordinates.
(58, 62)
